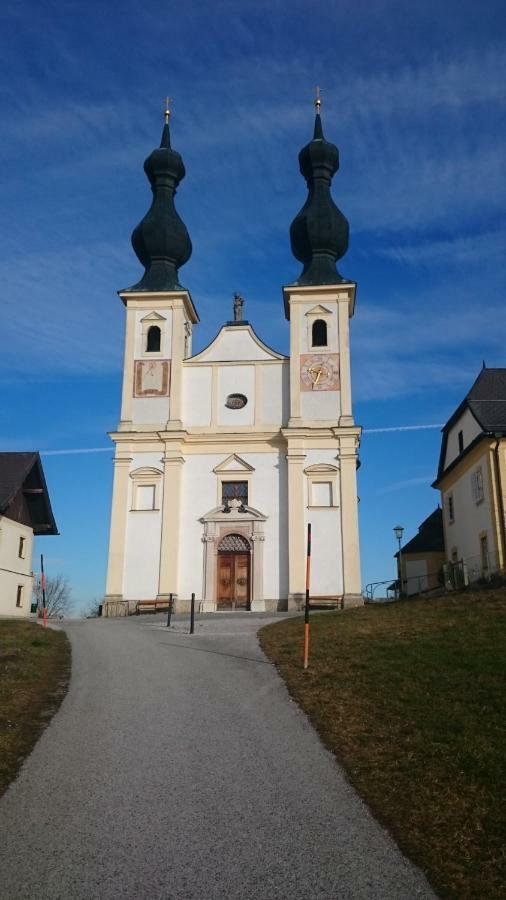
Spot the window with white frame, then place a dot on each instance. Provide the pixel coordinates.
(477, 485)
(319, 333)
(321, 493)
(153, 328)
(450, 508)
(322, 485)
(145, 496)
(146, 488)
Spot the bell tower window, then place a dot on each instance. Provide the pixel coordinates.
(319, 333)
(153, 339)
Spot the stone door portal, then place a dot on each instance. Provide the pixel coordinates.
(233, 589)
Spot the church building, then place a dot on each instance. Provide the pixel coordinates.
(223, 457)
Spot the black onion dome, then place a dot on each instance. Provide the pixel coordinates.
(161, 240)
(319, 233)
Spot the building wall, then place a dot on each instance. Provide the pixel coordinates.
(157, 550)
(267, 494)
(15, 571)
(326, 533)
(265, 384)
(420, 571)
(472, 520)
(197, 396)
(470, 429)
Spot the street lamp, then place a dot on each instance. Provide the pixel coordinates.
(399, 531)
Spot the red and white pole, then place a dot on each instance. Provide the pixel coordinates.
(306, 608)
(43, 588)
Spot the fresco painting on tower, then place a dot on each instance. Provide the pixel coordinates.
(223, 458)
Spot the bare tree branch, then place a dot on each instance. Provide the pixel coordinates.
(58, 596)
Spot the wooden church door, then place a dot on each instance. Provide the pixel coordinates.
(233, 573)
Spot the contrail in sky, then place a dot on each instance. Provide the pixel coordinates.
(400, 428)
(72, 451)
(79, 450)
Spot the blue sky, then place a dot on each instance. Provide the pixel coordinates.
(413, 96)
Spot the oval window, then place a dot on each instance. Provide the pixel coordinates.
(236, 401)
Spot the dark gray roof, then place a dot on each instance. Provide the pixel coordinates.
(486, 400)
(430, 537)
(22, 473)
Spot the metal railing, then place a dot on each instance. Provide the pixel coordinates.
(454, 575)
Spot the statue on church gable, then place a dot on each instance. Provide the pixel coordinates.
(238, 305)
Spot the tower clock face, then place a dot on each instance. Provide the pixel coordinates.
(319, 372)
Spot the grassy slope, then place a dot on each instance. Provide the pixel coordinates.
(34, 674)
(410, 697)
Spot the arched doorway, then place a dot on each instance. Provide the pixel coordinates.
(233, 590)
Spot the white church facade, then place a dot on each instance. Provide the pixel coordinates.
(223, 457)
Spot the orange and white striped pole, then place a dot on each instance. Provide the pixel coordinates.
(43, 588)
(306, 608)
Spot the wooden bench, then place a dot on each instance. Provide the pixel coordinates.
(151, 606)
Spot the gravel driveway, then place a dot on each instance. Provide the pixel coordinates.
(178, 768)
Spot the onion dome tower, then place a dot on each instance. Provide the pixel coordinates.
(319, 233)
(161, 240)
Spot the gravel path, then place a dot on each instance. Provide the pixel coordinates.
(178, 768)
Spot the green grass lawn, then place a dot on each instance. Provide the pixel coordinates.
(410, 696)
(34, 674)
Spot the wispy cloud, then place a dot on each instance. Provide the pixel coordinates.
(406, 483)
(473, 249)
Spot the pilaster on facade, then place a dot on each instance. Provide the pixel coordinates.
(173, 462)
(296, 457)
(352, 593)
(117, 539)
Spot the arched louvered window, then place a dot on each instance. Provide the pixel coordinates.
(319, 333)
(233, 543)
(154, 339)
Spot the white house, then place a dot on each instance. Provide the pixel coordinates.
(222, 458)
(472, 477)
(25, 510)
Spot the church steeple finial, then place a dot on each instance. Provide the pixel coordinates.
(317, 100)
(319, 233)
(166, 111)
(161, 240)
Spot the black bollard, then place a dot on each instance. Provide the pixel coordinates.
(192, 614)
(169, 611)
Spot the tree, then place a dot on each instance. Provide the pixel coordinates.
(93, 609)
(58, 596)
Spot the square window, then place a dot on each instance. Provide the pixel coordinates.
(321, 493)
(145, 498)
(234, 490)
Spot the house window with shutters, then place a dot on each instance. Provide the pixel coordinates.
(477, 485)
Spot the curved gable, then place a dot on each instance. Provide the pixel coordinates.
(236, 343)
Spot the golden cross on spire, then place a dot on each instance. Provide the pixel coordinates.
(166, 112)
(318, 100)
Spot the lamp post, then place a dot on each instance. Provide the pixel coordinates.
(399, 531)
